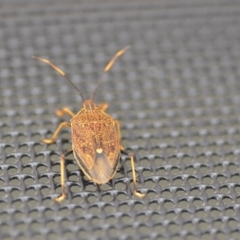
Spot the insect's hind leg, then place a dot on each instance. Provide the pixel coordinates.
(62, 166)
(64, 111)
(135, 192)
(52, 139)
(103, 106)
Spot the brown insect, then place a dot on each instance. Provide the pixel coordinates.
(96, 137)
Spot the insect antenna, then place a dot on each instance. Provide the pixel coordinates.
(108, 67)
(61, 72)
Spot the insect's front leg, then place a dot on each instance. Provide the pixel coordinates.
(52, 139)
(62, 164)
(103, 106)
(135, 192)
(64, 111)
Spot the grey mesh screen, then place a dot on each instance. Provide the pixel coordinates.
(176, 94)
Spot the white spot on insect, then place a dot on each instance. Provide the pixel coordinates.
(99, 150)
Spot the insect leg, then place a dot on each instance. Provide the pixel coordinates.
(62, 161)
(64, 111)
(52, 139)
(135, 192)
(117, 124)
(103, 106)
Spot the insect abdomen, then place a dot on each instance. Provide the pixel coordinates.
(102, 171)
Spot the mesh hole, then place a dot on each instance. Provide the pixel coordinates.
(105, 187)
(11, 160)
(190, 170)
(166, 194)
(64, 212)
(204, 169)
(32, 203)
(174, 228)
(122, 197)
(75, 189)
(164, 183)
(27, 170)
(29, 181)
(14, 182)
(176, 171)
(91, 188)
(154, 206)
(221, 179)
(39, 237)
(230, 212)
(181, 193)
(46, 191)
(21, 227)
(233, 224)
(26, 159)
(224, 190)
(185, 215)
(213, 202)
(82, 222)
(124, 208)
(207, 180)
(183, 204)
(215, 213)
(221, 236)
(210, 191)
(52, 225)
(195, 192)
(149, 184)
(139, 207)
(235, 235)
(204, 226)
(16, 193)
(198, 203)
(34, 215)
(171, 216)
(189, 227)
(236, 178)
(120, 186)
(218, 224)
(143, 230)
(207, 236)
(94, 210)
(161, 172)
(178, 182)
(42, 169)
(193, 181)
(219, 168)
(191, 237)
(44, 180)
(68, 235)
(113, 232)
(9, 149)
(158, 161)
(12, 171)
(168, 205)
(96, 221)
(227, 200)
(109, 209)
(114, 220)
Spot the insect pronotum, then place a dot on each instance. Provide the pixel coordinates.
(96, 137)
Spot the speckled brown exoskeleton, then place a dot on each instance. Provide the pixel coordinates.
(96, 137)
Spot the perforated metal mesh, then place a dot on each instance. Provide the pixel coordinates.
(176, 94)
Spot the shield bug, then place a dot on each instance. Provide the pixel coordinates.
(96, 137)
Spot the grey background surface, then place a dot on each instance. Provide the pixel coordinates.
(176, 94)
